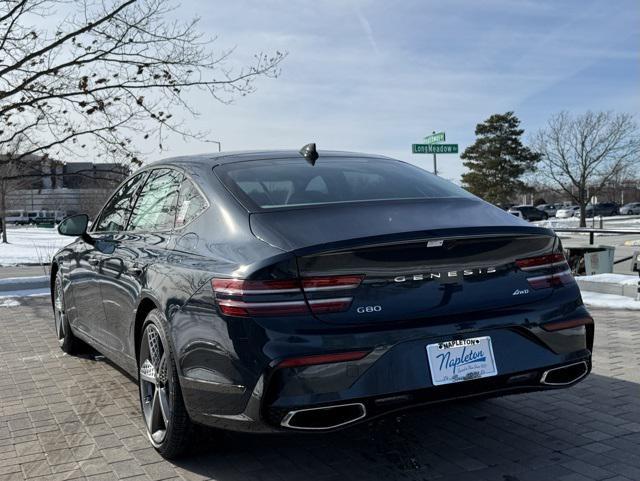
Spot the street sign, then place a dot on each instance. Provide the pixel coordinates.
(435, 137)
(434, 148)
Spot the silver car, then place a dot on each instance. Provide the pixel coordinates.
(630, 209)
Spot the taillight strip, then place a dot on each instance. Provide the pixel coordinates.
(240, 292)
(541, 262)
(233, 303)
(551, 280)
(549, 276)
(544, 266)
(331, 288)
(331, 283)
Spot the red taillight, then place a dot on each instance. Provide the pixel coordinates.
(560, 274)
(540, 262)
(239, 287)
(327, 306)
(323, 359)
(231, 307)
(571, 323)
(557, 279)
(246, 298)
(330, 283)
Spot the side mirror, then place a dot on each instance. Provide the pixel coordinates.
(75, 225)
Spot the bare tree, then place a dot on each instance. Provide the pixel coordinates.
(111, 71)
(10, 180)
(582, 154)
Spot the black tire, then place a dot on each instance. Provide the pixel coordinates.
(67, 341)
(165, 416)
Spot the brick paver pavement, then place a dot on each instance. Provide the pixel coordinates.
(65, 417)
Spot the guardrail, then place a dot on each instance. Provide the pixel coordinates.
(593, 231)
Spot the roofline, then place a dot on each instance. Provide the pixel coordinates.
(216, 158)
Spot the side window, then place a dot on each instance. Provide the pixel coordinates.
(114, 215)
(155, 209)
(191, 203)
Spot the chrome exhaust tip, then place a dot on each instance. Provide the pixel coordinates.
(565, 375)
(325, 417)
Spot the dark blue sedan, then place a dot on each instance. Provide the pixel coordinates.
(271, 291)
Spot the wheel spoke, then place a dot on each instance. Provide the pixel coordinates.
(148, 372)
(60, 326)
(163, 401)
(59, 311)
(156, 418)
(154, 390)
(161, 373)
(154, 347)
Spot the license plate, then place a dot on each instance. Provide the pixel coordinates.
(461, 360)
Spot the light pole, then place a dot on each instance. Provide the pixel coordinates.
(219, 144)
(435, 165)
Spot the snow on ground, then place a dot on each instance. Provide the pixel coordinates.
(624, 279)
(31, 245)
(609, 301)
(9, 303)
(10, 298)
(614, 222)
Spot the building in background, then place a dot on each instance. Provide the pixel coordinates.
(50, 185)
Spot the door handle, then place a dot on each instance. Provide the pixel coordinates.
(134, 269)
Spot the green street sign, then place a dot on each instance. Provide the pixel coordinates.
(433, 138)
(434, 148)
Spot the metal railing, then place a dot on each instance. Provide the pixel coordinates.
(593, 231)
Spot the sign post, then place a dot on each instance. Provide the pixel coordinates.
(431, 146)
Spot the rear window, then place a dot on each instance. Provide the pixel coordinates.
(273, 184)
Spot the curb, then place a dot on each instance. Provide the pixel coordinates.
(23, 283)
(626, 290)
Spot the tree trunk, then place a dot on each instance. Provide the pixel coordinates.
(583, 214)
(3, 213)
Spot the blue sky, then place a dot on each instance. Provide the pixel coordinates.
(375, 76)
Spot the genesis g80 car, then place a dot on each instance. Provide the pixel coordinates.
(305, 291)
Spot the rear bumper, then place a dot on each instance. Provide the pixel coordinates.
(394, 376)
(259, 417)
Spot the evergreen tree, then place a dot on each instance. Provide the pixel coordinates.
(497, 159)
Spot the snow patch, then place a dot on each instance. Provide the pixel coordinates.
(9, 303)
(31, 245)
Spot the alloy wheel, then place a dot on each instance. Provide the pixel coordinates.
(59, 314)
(154, 385)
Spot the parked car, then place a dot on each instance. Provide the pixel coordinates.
(566, 212)
(274, 291)
(630, 209)
(549, 209)
(42, 217)
(528, 212)
(17, 217)
(604, 209)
